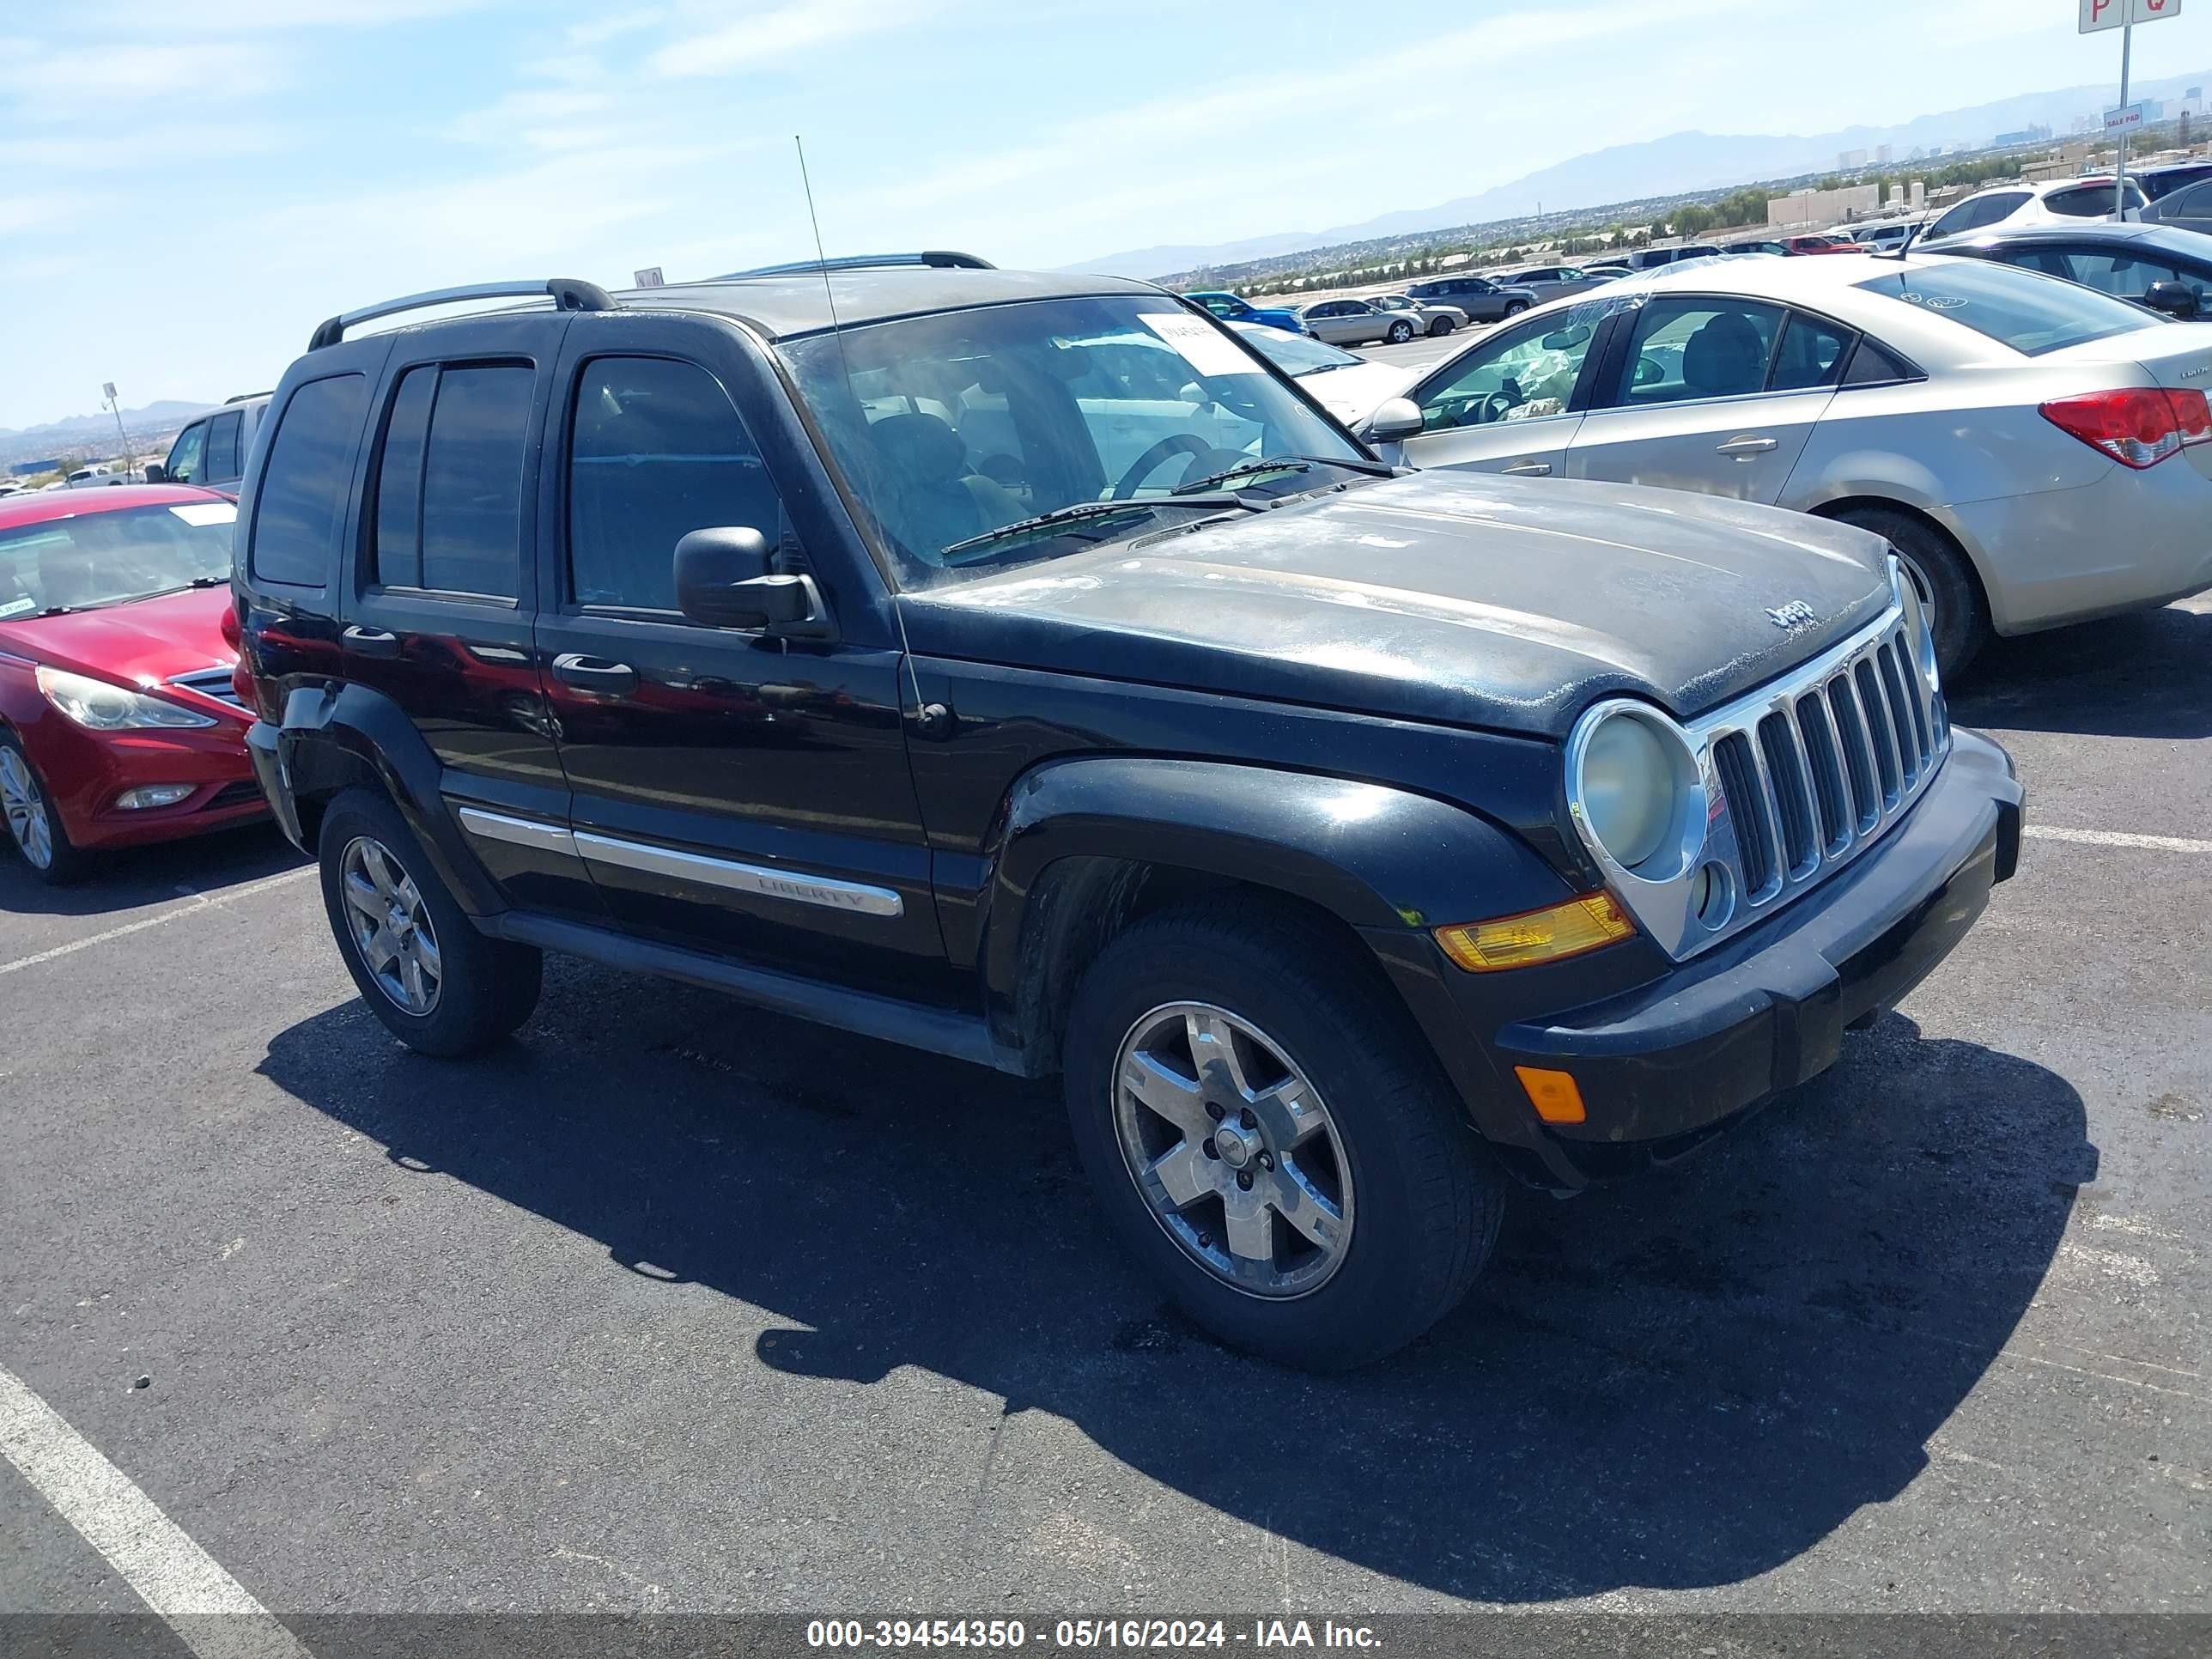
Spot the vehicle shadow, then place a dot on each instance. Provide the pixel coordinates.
(131, 877)
(2137, 676)
(1683, 1381)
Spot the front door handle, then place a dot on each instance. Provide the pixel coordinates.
(1527, 470)
(609, 679)
(1744, 448)
(371, 641)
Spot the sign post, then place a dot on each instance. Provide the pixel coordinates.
(2123, 16)
(114, 403)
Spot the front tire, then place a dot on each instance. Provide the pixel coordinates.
(1401, 332)
(1514, 307)
(1218, 1042)
(439, 986)
(34, 823)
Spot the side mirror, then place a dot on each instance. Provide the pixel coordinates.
(2176, 299)
(724, 578)
(157, 473)
(1394, 418)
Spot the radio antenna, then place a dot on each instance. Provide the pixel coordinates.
(820, 254)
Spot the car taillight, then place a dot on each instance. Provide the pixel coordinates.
(231, 632)
(2137, 426)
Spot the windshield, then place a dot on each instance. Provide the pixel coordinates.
(2031, 312)
(1294, 354)
(951, 427)
(104, 558)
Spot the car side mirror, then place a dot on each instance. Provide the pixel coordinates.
(1394, 418)
(157, 473)
(2176, 299)
(725, 579)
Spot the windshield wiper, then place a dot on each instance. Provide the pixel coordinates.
(1287, 464)
(209, 581)
(1080, 512)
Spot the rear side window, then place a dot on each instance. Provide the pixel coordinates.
(1812, 354)
(656, 450)
(223, 448)
(304, 484)
(2032, 314)
(2088, 201)
(450, 479)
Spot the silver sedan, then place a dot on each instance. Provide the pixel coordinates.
(1356, 322)
(1431, 317)
(2038, 453)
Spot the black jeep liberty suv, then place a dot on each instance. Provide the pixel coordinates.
(1016, 666)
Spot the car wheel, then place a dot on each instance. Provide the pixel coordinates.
(1401, 332)
(1270, 1135)
(1958, 616)
(35, 823)
(1438, 329)
(439, 986)
(1514, 307)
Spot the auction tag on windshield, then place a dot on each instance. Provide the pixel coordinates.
(200, 514)
(1200, 343)
(17, 607)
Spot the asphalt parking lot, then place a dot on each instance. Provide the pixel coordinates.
(671, 1305)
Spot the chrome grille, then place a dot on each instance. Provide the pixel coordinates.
(1816, 766)
(210, 683)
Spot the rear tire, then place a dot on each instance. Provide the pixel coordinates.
(1442, 327)
(35, 823)
(464, 992)
(1934, 564)
(1418, 1196)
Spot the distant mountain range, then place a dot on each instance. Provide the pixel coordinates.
(39, 442)
(1673, 166)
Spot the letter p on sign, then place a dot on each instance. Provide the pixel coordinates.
(2112, 13)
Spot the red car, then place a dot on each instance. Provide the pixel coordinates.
(119, 722)
(1820, 245)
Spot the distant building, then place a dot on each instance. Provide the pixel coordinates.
(1849, 158)
(30, 469)
(1882, 155)
(1823, 207)
(2037, 135)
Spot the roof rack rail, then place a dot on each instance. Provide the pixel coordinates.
(566, 293)
(935, 258)
(246, 397)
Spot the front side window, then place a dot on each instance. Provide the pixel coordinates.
(186, 454)
(306, 482)
(1697, 347)
(655, 450)
(1525, 374)
(2030, 313)
(951, 428)
(223, 448)
(94, 559)
(1977, 211)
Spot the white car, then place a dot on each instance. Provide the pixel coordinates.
(88, 477)
(1351, 388)
(2053, 202)
(2038, 452)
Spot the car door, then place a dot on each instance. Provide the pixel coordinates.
(1704, 392)
(1511, 404)
(187, 455)
(442, 598)
(1328, 321)
(740, 792)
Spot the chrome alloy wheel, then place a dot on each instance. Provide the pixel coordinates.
(25, 804)
(1920, 587)
(1233, 1150)
(391, 927)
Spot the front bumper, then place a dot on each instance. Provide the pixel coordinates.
(1662, 1066)
(85, 771)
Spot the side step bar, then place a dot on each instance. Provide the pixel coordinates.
(939, 1030)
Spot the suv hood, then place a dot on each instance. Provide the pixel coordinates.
(1504, 603)
(134, 644)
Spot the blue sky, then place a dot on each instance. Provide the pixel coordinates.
(187, 189)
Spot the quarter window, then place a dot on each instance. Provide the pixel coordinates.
(304, 486)
(656, 450)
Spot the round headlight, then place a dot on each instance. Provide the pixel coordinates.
(1628, 789)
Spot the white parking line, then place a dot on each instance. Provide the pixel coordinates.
(211, 1613)
(2100, 838)
(199, 901)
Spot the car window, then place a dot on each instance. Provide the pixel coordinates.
(2030, 313)
(222, 448)
(2127, 275)
(472, 470)
(1874, 364)
(656, 450)
(1977, 211)
(1698, 346)
(2193, 203)
(188, 454)
(99, 558)
(396, 544)
(2089, 201)
(1814, 352)
(306, 480)
(1524, 374)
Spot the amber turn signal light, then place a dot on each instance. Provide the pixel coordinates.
(1552, 1094)
(1548, 935)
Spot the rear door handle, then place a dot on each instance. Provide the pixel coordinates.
(1744, 448)
(371, 641)
(1527, 470)
(612, 679)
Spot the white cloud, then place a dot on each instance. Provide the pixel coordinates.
(780, 30)
(541, 117)
(80, 79)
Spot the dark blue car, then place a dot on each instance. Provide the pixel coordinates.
(1234, 308)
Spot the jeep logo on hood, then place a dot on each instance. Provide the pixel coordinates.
(1793, 615)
